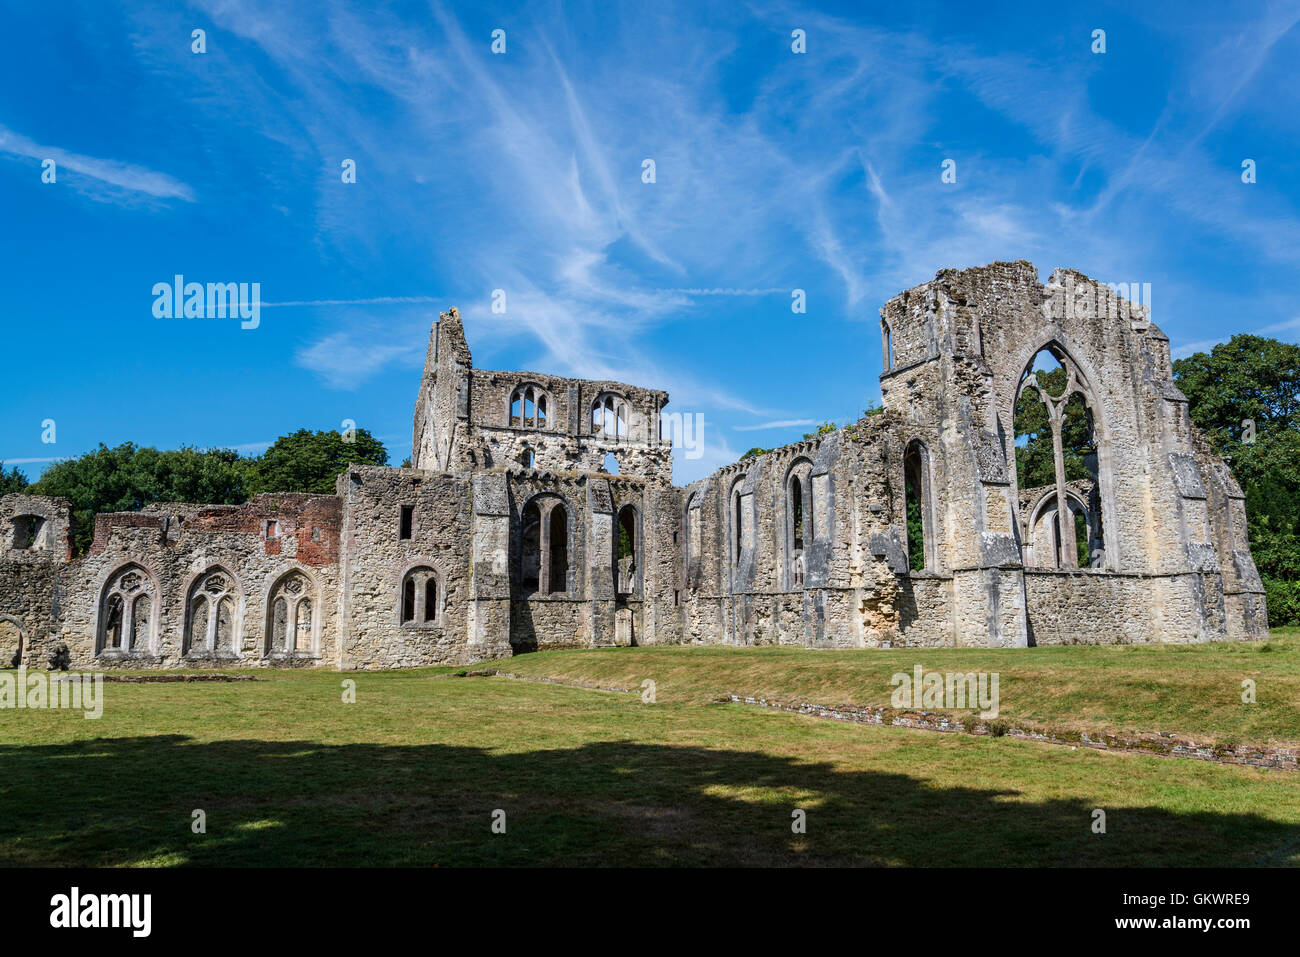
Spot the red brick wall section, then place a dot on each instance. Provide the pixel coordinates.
(314, 520)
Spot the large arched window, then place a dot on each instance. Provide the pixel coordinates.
(799, 526)
(291, 620)
(530, 407)
(128, 610)
(693, 533)
(741, 533)
(919, 508)
(609, 416)
(421, 597)
(627, 551)
(211, 609)
(544, 540)
(1057, 455)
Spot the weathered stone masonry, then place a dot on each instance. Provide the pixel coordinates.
(511, 534)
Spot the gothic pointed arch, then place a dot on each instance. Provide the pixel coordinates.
(1060, 439)
(129, 607)
(919, 508)
(544, 545)
(214, 614)
(293, 614)
(799, 523)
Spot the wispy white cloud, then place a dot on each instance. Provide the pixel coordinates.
(377, 301)
(102, 179)
(827, 177)
(777, 424)
(347, 358)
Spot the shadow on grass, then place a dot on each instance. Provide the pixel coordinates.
(130, 801)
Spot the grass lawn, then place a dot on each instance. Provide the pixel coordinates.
(1192, 690)
(411, 773)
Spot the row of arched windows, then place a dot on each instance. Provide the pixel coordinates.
(531, 407)
(214, 606)
(543, 565)
(129, 608)
(802, 524)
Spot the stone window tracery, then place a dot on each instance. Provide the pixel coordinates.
(128, 609)
(530, 407)
(291, 617)
(211, 609)
(609, 416)
(543, 565)
(1057, 445)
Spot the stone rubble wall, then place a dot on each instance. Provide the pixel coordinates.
(720, 561)
(173, 546)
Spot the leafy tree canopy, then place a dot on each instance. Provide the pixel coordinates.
(12, 480)
(309, 461)
(1244, 396)
(127, 477)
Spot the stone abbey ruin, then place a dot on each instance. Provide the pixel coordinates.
(906, 528)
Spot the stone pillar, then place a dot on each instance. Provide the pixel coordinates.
(489, 606)
(600, 556)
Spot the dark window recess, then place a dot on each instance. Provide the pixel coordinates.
(408, 515)
(408, 600)
(431, 599)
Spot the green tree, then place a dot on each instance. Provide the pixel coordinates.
(12, 480)
(126, 478)
(309, 461)
(1244, 396)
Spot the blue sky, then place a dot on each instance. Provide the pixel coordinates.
(523, 172)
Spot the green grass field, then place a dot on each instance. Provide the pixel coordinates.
(1192, 690)
(410, 774)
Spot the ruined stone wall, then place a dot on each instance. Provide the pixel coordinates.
(1089, 607)
(767, 572)
(378, 561)
(35, 541)
(463, 422)
(173, 546)
(805, 545)
(442, 403)
(567, 441)
(960, 345)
